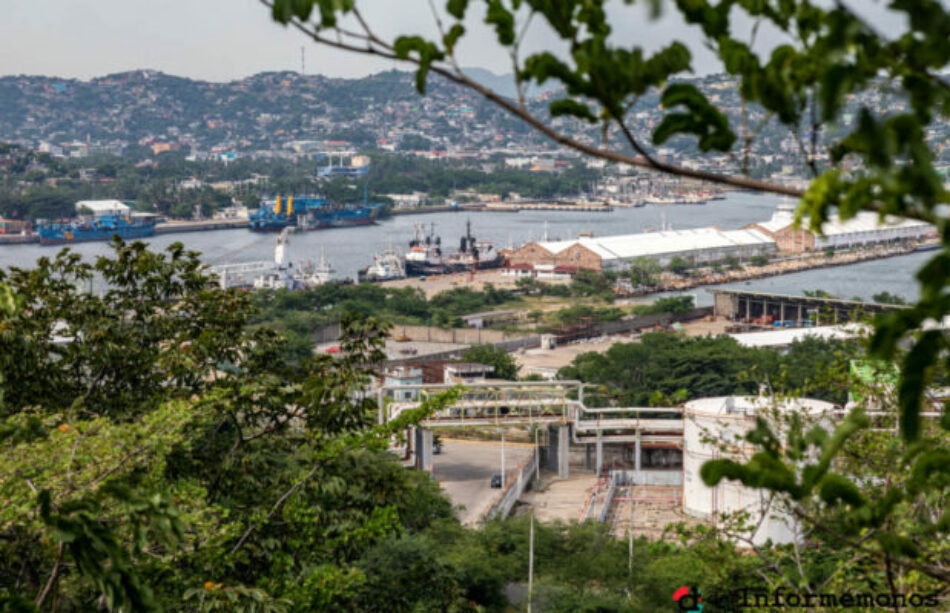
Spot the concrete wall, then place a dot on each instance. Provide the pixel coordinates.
(461, 336)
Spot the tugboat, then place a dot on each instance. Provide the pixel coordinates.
(386, 266)
(425, 256)
(473, 254)
(425, 252)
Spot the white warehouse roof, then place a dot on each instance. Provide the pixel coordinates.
(783, 337)
(100, 207)
(864, 221)
(653, 244)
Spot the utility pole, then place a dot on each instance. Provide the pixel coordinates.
(303, 63)
(537, 461)
(504, 477)
(530, 560)
(630, 535)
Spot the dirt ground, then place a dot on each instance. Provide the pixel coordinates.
(560, 500)
(440, 283)
(546, 362)
(701, 327)
(655, 507)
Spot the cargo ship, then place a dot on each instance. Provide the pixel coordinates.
(100, 228)
(310, 213)
(425, 256)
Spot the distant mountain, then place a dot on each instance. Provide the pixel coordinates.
(505, 84)
(266, 111)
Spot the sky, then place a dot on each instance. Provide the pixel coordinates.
(222, 40)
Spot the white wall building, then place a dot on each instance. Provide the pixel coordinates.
(99, 208)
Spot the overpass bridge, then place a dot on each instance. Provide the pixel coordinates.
(557, 405)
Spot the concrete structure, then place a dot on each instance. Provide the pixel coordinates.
(714, 428)
(696, 246)
(864, 229)
(466, 372)
(399, 377)
(744, 306)
(423, 448)
(487, 318)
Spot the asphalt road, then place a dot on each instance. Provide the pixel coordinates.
(464, 469)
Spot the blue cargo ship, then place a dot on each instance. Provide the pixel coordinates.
(310, 213)
(100, 228)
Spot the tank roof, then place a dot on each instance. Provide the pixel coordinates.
(749, 405)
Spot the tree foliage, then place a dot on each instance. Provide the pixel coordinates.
(163, 452)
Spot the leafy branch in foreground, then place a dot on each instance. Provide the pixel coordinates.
(883, 162)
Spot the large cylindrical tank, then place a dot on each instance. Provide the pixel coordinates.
(714, 428)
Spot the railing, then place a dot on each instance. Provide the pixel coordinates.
(493, 404)
(608, 500)
(516, 482)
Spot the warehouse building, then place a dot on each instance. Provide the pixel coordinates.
(862, 230)
(696, 246)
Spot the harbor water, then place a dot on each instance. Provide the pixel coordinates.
(349, 249)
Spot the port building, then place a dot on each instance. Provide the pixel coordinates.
(100, 208)
(863, 230)
(696, 246)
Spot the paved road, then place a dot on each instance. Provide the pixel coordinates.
(464, 469)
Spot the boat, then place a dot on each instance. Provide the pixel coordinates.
(386, 266)
(425, 252)
(100, 228)
(285, 275)
(425, 256)
(310, 213)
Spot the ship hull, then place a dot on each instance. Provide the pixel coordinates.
(314, 218)
(66, 236)
(420, 269)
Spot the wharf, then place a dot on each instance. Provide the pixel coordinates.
(542, 206)
(172, 227)
(781, 267)
(18, 239)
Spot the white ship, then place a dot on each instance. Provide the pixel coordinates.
(286, 275)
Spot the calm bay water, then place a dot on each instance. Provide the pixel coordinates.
(349, 249)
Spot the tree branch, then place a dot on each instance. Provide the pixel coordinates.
(53, 576)
(558, 137)
(277, 505)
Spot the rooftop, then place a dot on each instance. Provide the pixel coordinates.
(647, 244)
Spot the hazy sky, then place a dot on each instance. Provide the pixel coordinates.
(229, 39)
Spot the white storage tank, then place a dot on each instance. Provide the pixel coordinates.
(714, 428)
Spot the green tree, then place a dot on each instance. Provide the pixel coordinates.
(645, 272)
(165, 451)
(678, 265)
(888, 298)
(505, 365)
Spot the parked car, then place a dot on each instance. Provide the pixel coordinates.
(496, 480)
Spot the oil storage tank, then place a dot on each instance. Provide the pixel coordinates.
(714, 428)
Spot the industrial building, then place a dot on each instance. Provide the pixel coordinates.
(696, 246)
(798, 311)
(99, 208)
(862, 230)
